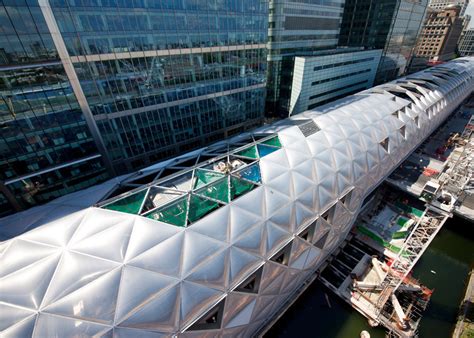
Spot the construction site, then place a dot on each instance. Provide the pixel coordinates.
(397, 223)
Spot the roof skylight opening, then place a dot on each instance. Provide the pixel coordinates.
(346, 199)
(283, 256)
(308, 233)
(385, 143)
(328, 216)
(309, 128)
(130, 204)
(252, 283)
(190, 194)
(403, 131)
(211, 320)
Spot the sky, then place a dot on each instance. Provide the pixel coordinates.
(470, 11)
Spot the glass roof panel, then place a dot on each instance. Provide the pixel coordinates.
(274, 141)
(251, 173)
(130, 204)
(218, 190)
(174, 213)
(264, 150)
(204, 177)
(239, 187)
(250, 152)
(181, 182)
(158, 197)
(200, 207)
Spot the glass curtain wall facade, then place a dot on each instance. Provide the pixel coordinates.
(46, 148)
(296, 28)
(391, 25)
(94, 88)
(163, 77)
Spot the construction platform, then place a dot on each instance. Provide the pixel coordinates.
(442, 165)
(371, 271)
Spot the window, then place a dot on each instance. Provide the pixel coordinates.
(402, 131)
(252, 283)
(282, 256)
(346, 199)
(384, 143)
(328, 216)
(211, 320)
(322, 241)
(308, 233)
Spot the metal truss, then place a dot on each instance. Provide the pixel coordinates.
(417, 242)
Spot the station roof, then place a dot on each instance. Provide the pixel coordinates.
(155, 250)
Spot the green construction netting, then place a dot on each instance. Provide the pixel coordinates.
(370, 234)
(239, 187)
(203, 177)
(378, 239)
(218, 190)
(400, 234)
(250, 152)
(174, 213)
(200, 207)
(274, 141)
(402, 221)
(130, 204)
(409, 210)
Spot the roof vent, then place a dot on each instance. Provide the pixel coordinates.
(308, 128)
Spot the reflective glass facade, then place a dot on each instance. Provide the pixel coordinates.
(391, 25)
(297, 28)
(162, 77)
(46, 148)
(119, 84)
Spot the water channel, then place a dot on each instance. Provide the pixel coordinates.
(444, 267)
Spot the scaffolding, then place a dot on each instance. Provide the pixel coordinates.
(416, 243)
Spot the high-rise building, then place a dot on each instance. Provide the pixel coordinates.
(162, 77)
(391, 25)
(442, 4)
(46, 145)
(466, 44)
(120, 84)
(331, 75)
(296, 28)
(440, 34)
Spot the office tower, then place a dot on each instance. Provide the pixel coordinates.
(331, 75)
(296, 28)
(466, 44)
(46, 145)
(163, 77)
(142, 80)
(442, 4)
(391, 25)
(439, 36)
(466, 19)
